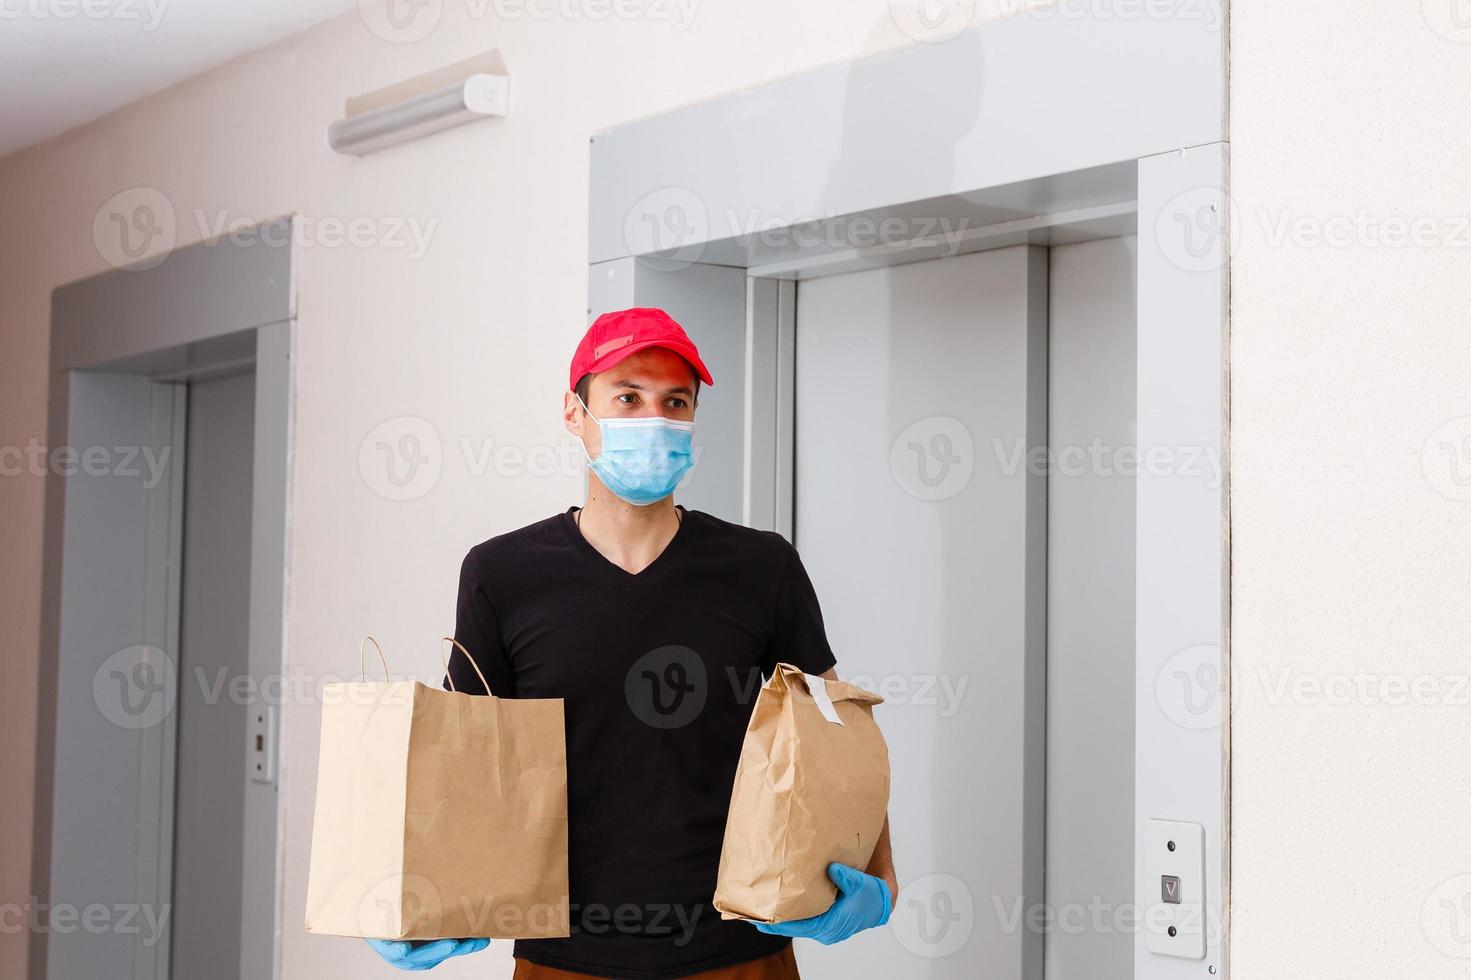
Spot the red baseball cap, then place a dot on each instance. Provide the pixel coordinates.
(614, 336)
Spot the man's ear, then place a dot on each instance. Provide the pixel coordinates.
(572, 414)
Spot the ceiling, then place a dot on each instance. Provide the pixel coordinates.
(65, 62)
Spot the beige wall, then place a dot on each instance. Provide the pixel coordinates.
(474, 335)
(1351, 536)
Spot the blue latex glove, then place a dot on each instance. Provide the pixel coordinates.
(863, 902)
(424, 956)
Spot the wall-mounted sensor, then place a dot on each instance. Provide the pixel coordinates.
(1174, 888)
(473, 89)
(260, 755)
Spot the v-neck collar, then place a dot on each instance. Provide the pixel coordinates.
(617, 572)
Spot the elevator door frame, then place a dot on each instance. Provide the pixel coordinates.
(202, 311)
(1049, 130)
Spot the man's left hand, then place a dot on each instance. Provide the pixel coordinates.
(863, 902)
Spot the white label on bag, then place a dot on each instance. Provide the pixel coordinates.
(818, 687)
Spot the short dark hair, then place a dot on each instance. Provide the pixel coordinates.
(585, 382)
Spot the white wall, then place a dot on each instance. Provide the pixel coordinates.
(1351, 541)
(473, 335)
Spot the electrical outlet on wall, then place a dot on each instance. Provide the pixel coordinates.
(1174, 906)
(261, 751)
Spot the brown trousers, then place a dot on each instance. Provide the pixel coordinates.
(782, 966)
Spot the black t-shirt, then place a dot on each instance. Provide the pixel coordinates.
(660, 672)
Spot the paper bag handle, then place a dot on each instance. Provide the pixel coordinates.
(362, 665)
(846, 692)
(447, 675)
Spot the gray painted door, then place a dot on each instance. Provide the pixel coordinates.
(209, 844)
(917, 387)
(114, 679)
(1090, 611)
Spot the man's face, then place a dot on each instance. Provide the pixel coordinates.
(655, 381)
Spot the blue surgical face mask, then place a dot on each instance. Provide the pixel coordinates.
(642, 460)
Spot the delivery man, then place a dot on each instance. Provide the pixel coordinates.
(636, 611)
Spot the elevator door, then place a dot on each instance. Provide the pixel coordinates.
(1090, 611)
(211, 788)
(918, 391)
(915, 387)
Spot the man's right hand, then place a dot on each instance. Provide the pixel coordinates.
(424, 956)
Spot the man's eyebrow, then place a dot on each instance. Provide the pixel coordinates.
(676, 390)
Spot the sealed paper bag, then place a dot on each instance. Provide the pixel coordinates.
(812, 787)
(439, 815)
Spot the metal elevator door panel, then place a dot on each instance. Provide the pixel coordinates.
(211, 778)
(918, 388)
(1090, 611)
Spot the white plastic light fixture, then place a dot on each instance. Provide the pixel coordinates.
(417, 108)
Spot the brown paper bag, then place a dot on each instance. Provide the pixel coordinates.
(439, 815)
(812, 787)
